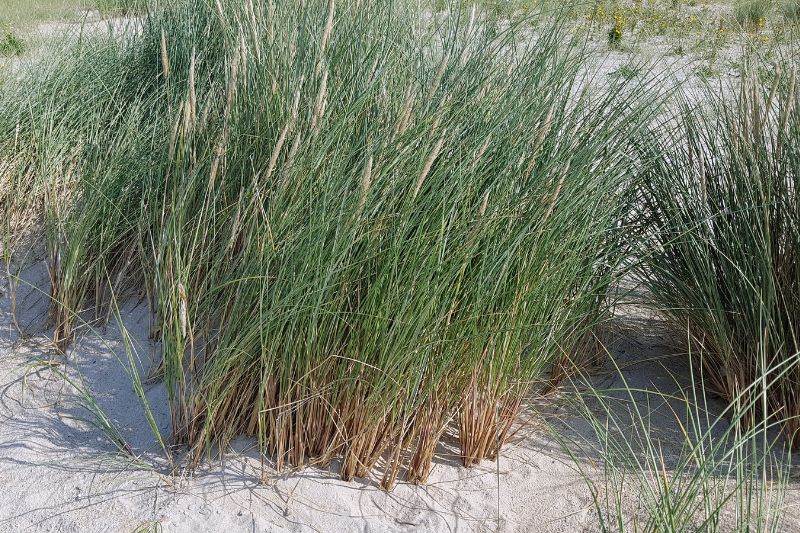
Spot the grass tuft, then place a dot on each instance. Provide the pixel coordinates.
(751, 14)
(724, 237)
(791, 11)
(692, 466)
(11, 44)
(354, 236)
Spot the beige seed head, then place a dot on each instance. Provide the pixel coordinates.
(271, 16)
(273, 160)
(556, 193)
(437, 79)
(321, 104)
(164, 59)
(295, 105)
(295, 145)
(428, 164)
(366, 181)
(481, 150)
(405, 114)
(292, 154)
(326, 33)
(484, 204)
(192, 96)
(544, 128)
(231, 91)
(173, 138)
(184, 309)
(326, 36)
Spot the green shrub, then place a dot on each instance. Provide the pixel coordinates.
(627, 72)
(616, 31)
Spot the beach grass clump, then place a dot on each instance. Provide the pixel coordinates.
(791, 11)
(11, 44)
(724, 238)
(693, 465)
(357, 227)
(74, 147)
(120, 7)
(751, 14)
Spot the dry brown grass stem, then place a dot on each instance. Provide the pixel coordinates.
(430, 422)
(393, 464)
(365, 444)
(486, 422)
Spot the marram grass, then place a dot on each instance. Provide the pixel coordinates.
(358, 225)
(723, 246)
(697, 469)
